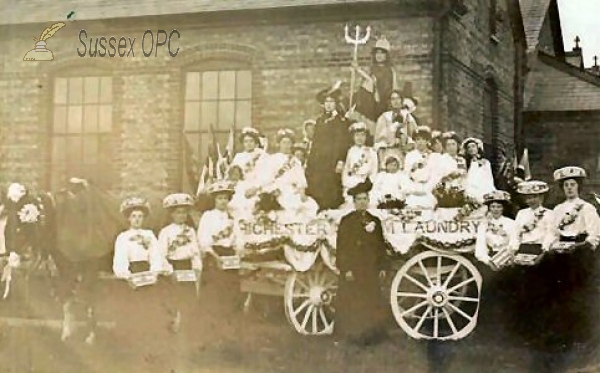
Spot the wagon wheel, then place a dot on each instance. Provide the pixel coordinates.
(308, 300)
(444, 305)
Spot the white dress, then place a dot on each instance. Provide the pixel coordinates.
(179, 242)
(494, 235)
(253, 165)
(479, 180)
(361, 162)
(421, 180)
(535, 226)
(136, 245)
(286, 175)
(385, 141)
(392, 184)
(574, 217)
(216, 228)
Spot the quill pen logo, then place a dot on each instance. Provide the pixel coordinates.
(40, 53)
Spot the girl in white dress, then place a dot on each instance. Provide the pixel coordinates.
(417, 166)
(361, 161)
(389, 185)
(479, 180)
(451, 144)
(288, 181)
(252, 163)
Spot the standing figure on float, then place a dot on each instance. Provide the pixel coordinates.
(395, 128)
(479, 180)
(418, 167)
(361, 161)
(451, 144)
(252, 162)
(330, 144)
(287, 180)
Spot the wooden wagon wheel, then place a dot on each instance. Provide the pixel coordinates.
(443, 306)
(308, 300)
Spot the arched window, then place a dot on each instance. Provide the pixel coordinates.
(491, 126)
(218, 95)
(81, 130)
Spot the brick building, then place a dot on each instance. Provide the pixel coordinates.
(561, 113)
(124, 121)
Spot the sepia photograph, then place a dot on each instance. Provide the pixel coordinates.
(300, 186)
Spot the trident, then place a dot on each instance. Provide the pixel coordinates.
(356, 41)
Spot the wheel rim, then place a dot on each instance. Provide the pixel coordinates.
(309, 301)
(436, 296)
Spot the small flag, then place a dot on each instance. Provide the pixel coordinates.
(524, 164)
(202, 180)
(229, 148)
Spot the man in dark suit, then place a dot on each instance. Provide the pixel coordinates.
(361, 312)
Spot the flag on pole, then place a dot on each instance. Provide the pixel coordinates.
(202, 180)
(524, 164)
(230, 147)
(218, 168)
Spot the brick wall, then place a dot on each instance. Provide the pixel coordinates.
(291, 59)
(470, 57)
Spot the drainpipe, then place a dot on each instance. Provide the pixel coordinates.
(440, 21)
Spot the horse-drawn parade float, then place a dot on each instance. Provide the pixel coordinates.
(290, 224)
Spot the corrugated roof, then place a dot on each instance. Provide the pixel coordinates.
(38, 11)
(559, 86)
(534, 13)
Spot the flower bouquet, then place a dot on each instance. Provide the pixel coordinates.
(450, 192)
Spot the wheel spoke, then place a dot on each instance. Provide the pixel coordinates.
(411, 295)
(302, 306)
(460, 312)
(302, 284)
(464, 299)
(306, 317)
(422, 266)
(449, 319)
(439, 270)
(436, 323)
(460, 285)
(451, 275)
(414, 308)
(314, 319)
(422, 319)
(323, 317)
(416, 282)
(300, 295)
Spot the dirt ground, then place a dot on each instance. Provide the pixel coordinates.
(217, 336)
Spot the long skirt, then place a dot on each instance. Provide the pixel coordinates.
(361, 314)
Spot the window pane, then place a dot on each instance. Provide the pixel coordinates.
(74, 119)
(106, 90)
(243, 114)
(226, 114)
(73, 151)
(192, 86)
(60, 91)
(90, 149)
(105, 118)
(194, 141)
(210, 85)
(104, 149)
(91, 90)
(75, 90)
(192, 116)
(244, 85)
(204, 142)
(90, 119)
(226, 85)
(59, 154)
(209, 115)
(60, 119)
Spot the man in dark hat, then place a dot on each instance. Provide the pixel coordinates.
(329, 148)
(361, 312)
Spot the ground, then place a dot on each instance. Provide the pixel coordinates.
(217, 337)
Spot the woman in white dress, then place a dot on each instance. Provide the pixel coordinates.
(178, 245)
(418, 167)
(479, 180)
(288, 181)
(252, 163)
(451, 143)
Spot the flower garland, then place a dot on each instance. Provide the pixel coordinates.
(249, 166)
(180, 240)
(467, 209)
(278, 242)
(449, 191)
(570, 217)
(537, 217)
(223, 234)
(457, 245)
(497, 229)
(287, 166)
